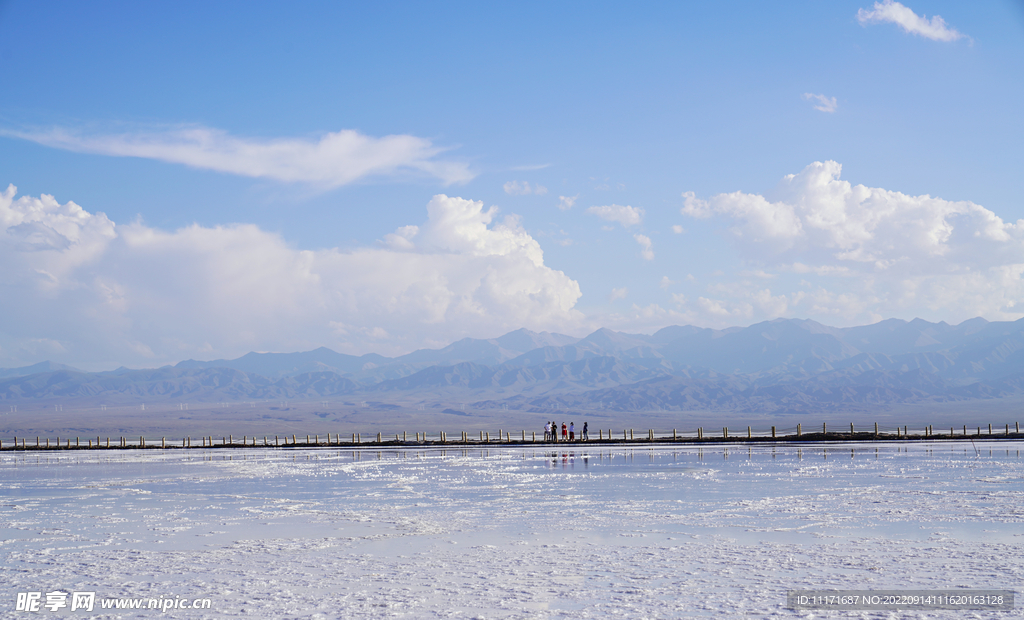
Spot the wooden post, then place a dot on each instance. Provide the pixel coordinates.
(488, 436)
(798, 433)
(163, 443)
(404, 436)
(600, 434)
(965, 430)
(524, 435)
(499, 435)
(823, 431)
(748, 432)
(508, 439)
(673, 434)
(773, 432)
(481, 435)
(876, 430)
(725, 432)
(631, 434)
(989, 432)
(76, 442)
(534, 436)
(851, 429)
(293, 440)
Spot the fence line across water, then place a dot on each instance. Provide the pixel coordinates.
(631, 436)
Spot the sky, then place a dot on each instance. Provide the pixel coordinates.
(198, 180)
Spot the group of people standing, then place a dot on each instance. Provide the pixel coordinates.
(568, 432)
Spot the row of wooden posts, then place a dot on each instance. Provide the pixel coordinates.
(485, 437)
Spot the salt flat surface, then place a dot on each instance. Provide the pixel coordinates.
(614, 532)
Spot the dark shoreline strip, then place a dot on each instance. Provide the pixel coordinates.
(805, 438)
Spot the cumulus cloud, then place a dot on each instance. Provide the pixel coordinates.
(627, 216)
(865, 251)
(618, 293)
(896, 13)
(677, 229)
(823, 103)
(108, 293)
(646, 247)
(523, 188)
(566, 202)
(333, 160)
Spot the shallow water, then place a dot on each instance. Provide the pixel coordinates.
(508, 533)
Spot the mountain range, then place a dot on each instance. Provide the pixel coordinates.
(780, 366)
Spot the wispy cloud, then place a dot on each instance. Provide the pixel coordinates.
(618, 293)
(627, 216)
(823, 103)
(523, 188)
(566, 202)
(333, 160)
(896, 13)
(646, 247)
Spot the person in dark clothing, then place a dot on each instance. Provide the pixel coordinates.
(583, 434)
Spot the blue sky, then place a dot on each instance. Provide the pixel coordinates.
(248, 175)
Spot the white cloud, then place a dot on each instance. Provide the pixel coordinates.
(111, 293)
(618, 293)
(677, 229)
(896, 13)
(867, 251)
(666, 282)
(825, 104)
(332, 160)
(627, 216)
(646, 247)
(566, 202)
(517, 188)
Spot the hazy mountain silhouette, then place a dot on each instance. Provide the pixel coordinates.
(784, 365)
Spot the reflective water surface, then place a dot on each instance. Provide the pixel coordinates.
(574, 532)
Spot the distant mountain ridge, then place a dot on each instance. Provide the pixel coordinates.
(784, 365)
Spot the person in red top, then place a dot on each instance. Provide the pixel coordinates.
(565, 432)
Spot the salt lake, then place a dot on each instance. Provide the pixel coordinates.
(491, 532)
